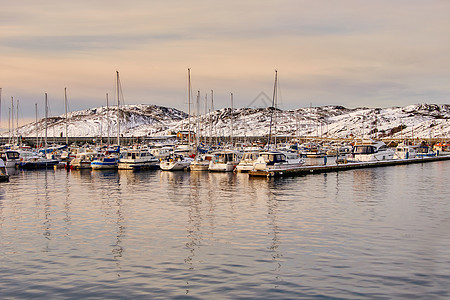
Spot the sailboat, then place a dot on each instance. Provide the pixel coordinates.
(272, 161)
(37, 161)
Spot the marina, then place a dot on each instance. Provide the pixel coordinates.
(372, 232)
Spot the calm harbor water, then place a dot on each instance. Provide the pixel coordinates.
(380, 233)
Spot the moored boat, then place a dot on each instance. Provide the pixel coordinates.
(134, 159)
(224, 161)
(175, 162)
(269, 161)
(247, 161)
(367, 151)
(3, 173)
(105, 162)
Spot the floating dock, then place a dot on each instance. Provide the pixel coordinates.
(304, 170)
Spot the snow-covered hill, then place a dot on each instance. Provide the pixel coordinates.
(421, 120)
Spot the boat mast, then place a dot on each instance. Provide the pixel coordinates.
(118, 109)
(17, 122)
(210, 119)
(189, 106)
(197, 134)
(231, 121)
(37, 127)
(12, 120)
(67, 126)
(273, 108)
(204, 125)
(107, 113)
(46, 115)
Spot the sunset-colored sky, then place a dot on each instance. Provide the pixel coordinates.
(350, 53)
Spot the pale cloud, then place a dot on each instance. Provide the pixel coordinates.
(351, 53)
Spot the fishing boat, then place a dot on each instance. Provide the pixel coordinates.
(175, 162)
(224, 161)
(369, 151)
(135, 159)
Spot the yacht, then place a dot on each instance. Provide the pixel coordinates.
(277, 161)
(369, 151)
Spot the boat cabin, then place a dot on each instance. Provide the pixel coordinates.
(271, 158)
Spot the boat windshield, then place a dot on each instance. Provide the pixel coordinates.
(12, 155)
(271, 158)
(363, 149)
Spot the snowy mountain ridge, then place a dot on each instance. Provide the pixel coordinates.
(418, 121)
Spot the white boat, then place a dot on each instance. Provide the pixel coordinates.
(201, 163)
(3, 173)
(10, 158)
(224, 161)
(247, 161)
(175, 162)
(82, 160)
(105, 162)
(135, 159)
(277, 161)
(405, 151)
(368, 151)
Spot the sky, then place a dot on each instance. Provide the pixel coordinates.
(350, 53)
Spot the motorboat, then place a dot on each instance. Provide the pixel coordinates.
(224, 161)
(277, 161)
(405, 151)
(369, 151)
(105, 162)
(33, 160)
(82, 160)
(201, 162)
(10, 158)
(247, 161)
(425, 151)
(175, 162)
(3, 173)
(134, 159)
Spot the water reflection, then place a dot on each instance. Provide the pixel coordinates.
(207, 234)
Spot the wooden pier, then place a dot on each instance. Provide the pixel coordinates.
(305, 170)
